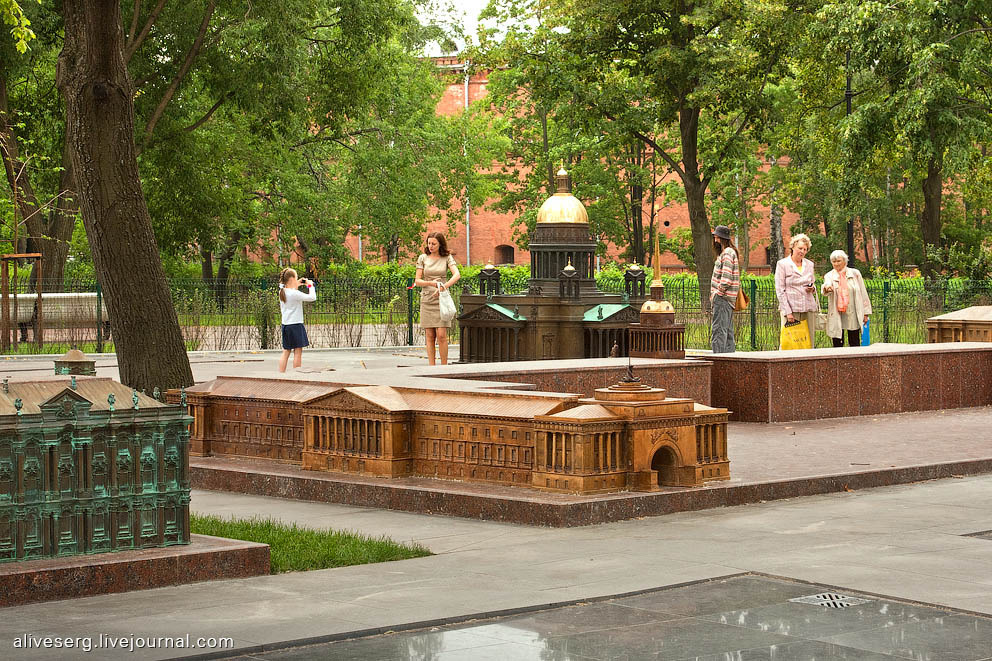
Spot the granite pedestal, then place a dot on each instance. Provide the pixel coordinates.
(779, 386)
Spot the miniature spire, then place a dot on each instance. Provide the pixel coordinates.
(18, 404)
(157, 393)
(6, 385)
(110, 401)
(182, 397)
(656, 263)
(134, 399)
(72, 382)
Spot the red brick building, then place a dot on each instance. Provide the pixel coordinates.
(483, 235)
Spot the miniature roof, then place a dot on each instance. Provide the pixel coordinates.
(486, 404)
(607, 310)
(974, 313)
(273, 389)
(35, 392)
(586, 412)
(509, 313)
(75, 356)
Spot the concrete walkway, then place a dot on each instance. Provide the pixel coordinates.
(908, 542)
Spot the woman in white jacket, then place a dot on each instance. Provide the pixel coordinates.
(849, 305)
(291, 300)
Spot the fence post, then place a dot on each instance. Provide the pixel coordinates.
(99, 318)
(885, 309)
(753, 284)
(409, 311)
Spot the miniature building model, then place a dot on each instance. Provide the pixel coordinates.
(657, 335)
(87, 466)
(563, 314)
(628, 436)
(972, 324)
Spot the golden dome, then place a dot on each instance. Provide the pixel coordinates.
(650, 307)
(562, 207)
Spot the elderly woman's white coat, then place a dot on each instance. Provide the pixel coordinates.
(859, 304)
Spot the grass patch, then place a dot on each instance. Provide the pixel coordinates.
(296, 548)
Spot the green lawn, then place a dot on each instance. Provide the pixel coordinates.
(295, 548)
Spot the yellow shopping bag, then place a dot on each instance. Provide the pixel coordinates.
(795, 335)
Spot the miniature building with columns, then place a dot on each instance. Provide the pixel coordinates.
(627, 437)
(87, 465)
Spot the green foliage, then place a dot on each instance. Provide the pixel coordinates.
(298, 548)
(12, 15)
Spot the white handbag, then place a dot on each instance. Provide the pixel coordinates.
(446, 303)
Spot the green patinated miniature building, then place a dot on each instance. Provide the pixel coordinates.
(89, 466)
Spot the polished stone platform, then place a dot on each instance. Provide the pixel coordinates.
(749, 617)
(205, 558)
(778, 386)
(768, 462)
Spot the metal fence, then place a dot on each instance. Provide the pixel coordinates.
(243, 314)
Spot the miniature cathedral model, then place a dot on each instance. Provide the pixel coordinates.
(563, 314)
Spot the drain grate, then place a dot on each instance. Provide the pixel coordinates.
(830, 600)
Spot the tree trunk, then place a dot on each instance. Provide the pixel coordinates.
(206, 265)
(776, 249)
(695, 197)
(27, 206)
(61, 223)
(99, 95)
(930, 219)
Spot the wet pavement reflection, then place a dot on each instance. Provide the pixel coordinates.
(746, 618)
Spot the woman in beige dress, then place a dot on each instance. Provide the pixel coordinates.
(432, 277)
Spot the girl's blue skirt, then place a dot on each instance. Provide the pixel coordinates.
(294, 336)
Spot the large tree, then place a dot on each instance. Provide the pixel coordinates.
(701, 66)
(922, 89)
(98, 93)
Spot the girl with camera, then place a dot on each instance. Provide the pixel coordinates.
(291, 300)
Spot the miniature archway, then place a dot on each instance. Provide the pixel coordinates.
(665, 463)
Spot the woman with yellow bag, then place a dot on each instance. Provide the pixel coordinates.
(796, 291)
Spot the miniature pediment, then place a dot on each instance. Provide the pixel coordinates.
(494, 312)
(369, 399)
(65, 403)
(612, 313)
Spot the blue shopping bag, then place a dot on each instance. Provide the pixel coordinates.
(866, 334)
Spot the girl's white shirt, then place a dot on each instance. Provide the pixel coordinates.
(292, 308)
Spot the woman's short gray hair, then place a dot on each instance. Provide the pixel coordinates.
(800, 238)
(838, 254)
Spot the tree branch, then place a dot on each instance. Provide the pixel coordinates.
(132, 46)
(194, 50)
(203, 120)
(134, 22)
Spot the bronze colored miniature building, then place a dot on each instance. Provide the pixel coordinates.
(563, 314)
(88, 466)
(657, 335)
(627, 436)
(972, 324)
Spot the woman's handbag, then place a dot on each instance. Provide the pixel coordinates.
(795, 335)
(866, 334)
(821, 321)
(742, 300)
(446, 303)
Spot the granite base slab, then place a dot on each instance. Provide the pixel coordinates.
(781, 386)
(205, 558)
(533, 507)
